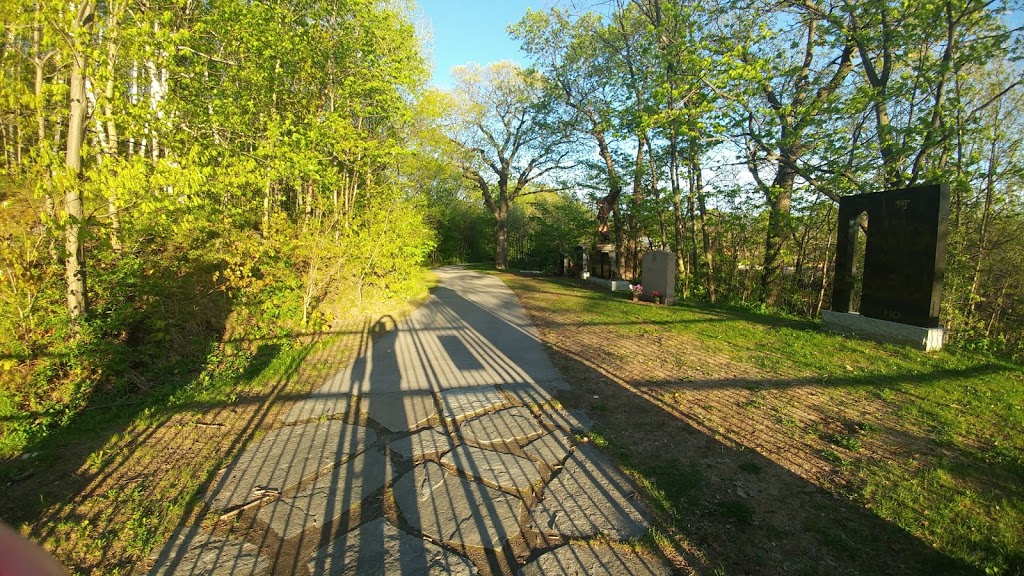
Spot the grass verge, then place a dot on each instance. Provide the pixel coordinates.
(101, 491)
(766, 445)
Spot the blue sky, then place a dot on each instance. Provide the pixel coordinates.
(473, 31)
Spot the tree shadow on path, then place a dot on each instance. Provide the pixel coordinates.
(360, 474)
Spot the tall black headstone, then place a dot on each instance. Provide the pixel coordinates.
(582, 259)
(602, 261)
(904, 257)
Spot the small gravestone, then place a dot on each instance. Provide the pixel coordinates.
(904, 259)
(659, 275)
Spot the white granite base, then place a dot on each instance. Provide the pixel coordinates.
(851, 324)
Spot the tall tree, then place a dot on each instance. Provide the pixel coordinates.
(692, 66)
(909, 56)
(600, 68)
(511, 135)
(790, 86)
(74, 228)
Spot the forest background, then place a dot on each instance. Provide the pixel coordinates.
(181, 179)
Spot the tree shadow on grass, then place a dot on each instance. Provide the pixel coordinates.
(728, 506)
(98, 486)
(138, 476)
(873, 380)
(728, 496)
(137, 354)
(751, 473)
(722, 503)
(351, 455)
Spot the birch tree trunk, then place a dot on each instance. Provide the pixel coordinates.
(110, 149)
(74, 263)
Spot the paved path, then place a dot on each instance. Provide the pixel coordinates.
(438, 451)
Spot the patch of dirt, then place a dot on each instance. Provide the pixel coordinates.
(750, 471)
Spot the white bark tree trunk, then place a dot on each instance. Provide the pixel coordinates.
(74, 263)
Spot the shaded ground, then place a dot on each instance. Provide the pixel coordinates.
(100, 504)
(438, 450)
(754, 463)
(755, 442)
(99, 498)
(429, 444)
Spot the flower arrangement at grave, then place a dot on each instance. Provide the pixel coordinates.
(637, 290)
(657, 297)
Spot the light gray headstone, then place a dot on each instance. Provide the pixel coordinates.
(659, 275)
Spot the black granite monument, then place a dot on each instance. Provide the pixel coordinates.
(582, 261)
(602, 261)
(904, 257)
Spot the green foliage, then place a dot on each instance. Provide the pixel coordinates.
(847, 441)
(239, 179)
(465, 232)
(560, 223)
(509, 139)
(386, 246)
(784, 109)
(256, 169)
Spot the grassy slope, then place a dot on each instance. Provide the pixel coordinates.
(933, 444)
(101, 491)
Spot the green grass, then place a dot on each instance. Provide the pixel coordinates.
(751, 468)
(960, 414)
(135, 515)
(105, 438)
(673, 489)
(848, 441)
(736, 511)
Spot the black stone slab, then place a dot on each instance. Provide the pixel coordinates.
(904, 258)
(582, 258)
(602, 261)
